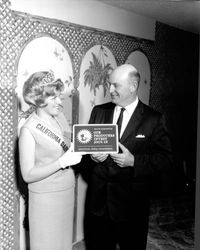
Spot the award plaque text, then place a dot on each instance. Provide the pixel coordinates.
(95, 138)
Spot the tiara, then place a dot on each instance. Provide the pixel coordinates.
(48, 78)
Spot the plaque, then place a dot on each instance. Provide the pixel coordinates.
(95, 138)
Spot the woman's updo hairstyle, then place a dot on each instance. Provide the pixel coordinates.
(39, 86)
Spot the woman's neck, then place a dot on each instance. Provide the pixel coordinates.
(49, 119)
(44, 115)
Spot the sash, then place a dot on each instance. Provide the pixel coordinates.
(52, 135)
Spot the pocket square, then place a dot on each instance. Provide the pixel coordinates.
(140, 136)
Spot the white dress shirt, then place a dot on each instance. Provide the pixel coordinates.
(129, 109)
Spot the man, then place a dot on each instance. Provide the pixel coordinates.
(117, 201)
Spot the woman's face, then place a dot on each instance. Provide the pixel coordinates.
(53, 104)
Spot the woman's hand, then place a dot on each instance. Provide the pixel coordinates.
(69, 158)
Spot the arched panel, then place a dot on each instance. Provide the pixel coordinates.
(141, 62)
(40, 54)
(45, 53)
(93, 87)
(93, 90)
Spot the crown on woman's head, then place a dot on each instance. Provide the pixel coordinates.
(48, 78)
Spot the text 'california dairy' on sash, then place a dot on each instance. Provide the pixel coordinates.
(52, 135)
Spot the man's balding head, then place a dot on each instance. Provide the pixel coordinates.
(127, 70)
(124, 82)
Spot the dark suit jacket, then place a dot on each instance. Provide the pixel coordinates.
(124, 190)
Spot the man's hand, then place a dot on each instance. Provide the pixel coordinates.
(99, 157)
(124, 159)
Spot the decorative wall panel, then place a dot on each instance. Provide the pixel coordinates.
(140, 61)
(7, 174)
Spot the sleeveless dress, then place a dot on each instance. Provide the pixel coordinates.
(51, 200)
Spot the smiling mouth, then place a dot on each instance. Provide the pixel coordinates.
(114, 96)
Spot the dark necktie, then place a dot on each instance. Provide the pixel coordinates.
(119, 121)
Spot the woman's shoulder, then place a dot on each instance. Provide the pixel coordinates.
(30, 121)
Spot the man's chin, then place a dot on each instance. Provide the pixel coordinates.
(113, 100)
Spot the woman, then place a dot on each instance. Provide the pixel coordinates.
(45, 160)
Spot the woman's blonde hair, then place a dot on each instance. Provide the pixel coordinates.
(39, 86)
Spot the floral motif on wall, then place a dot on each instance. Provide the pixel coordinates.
(98, 72)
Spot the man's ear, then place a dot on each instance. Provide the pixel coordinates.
(133, 86)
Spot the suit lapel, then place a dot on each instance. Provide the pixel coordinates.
(133, 124)
(108, 118)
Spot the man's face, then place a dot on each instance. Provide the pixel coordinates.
(120, 89)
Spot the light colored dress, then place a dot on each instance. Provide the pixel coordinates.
(51, 200)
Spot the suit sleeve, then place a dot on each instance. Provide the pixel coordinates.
(92, 116)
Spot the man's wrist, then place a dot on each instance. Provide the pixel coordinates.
(132, 161)
(91, 156)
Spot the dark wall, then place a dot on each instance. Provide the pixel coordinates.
(175, 92)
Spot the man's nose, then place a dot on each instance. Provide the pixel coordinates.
(111, 88)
